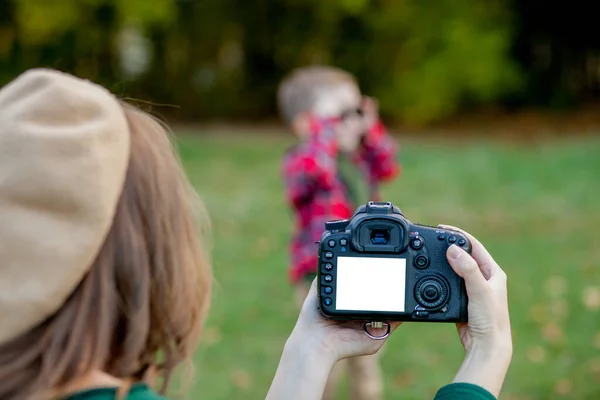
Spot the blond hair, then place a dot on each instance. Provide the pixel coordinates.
(299, 91)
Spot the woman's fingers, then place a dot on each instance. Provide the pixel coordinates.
(486, 262)
(466, 267)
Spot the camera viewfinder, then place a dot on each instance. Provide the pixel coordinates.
(380, 236)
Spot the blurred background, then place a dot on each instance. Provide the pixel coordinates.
(494, 104)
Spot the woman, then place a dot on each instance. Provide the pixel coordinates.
(104, 285)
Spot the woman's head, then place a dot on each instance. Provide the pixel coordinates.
(107, 267)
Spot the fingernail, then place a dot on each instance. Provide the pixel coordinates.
(454, 252)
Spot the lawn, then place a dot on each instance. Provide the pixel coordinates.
(536, 208)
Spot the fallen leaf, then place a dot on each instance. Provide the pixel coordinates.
(594, 367)
(597, 340)
(552, 332)
(404, 380)
(563, 387)
(591, 298)
(433, 359)
(589, 269)
(263, 246)
(538, 313)
(559, 309)
(511, 396)
(264, 243)
(211, 336)
(241, 379)
(251, 314)
(555, 286)
(536, 354)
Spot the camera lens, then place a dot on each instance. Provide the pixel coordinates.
(380, 236)
(431, 291)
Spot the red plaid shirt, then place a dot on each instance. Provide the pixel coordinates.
(317, 192)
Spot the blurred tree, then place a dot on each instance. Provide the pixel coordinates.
(75, 35)
(437, 59)
(557, 45)
(224, 58)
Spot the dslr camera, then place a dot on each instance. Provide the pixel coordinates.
(379, 266)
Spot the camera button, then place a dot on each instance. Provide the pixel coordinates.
(328, 266)
(431, 293)
(421, 261)
(462, 242)
(421, 314)
(452, 239)
(328, 290)
(331, 243)
(441, 236)
(417, 243)
(343, 242)
(329, 255)
(328, 278)
(327, 301)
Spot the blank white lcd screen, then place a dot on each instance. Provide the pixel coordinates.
(370, 284)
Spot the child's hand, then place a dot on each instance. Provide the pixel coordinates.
(334, 339)
(371, 111)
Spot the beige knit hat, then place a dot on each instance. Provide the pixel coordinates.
(64, 151)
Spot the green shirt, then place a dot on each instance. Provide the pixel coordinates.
(463, 391)
(454, 391)
(139, 391)
(353, 179)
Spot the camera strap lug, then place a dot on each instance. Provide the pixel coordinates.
(377, 325)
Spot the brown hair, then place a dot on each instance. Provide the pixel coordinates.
(299, 91)
(139, 310)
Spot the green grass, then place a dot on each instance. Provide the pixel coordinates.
(536, 208)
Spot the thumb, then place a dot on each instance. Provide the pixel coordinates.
(311, 298)
(466, 267)
(314, 287)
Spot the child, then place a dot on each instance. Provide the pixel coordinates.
(343, 154)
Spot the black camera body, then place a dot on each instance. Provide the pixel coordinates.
(379, 266)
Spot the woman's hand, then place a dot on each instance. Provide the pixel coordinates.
(487, 336)
(314, 347)
(338, 340)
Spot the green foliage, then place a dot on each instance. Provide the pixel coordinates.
(42, 21)
(224, 58)
(147, 13)
(353, 7)
(440, 57)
